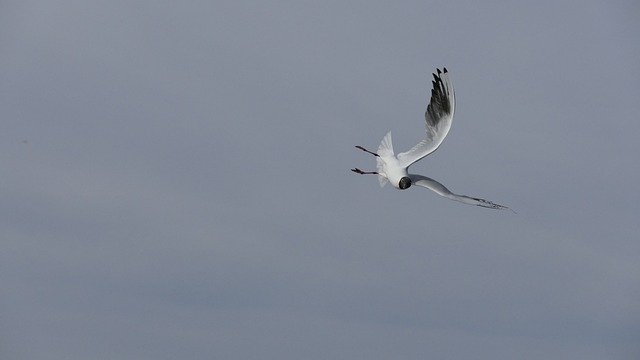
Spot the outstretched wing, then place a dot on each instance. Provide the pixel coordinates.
(440, 189)
(438, 116)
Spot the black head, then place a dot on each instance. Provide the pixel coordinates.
(405, 183)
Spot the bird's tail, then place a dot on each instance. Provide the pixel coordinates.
(385, 149)
(386, 146)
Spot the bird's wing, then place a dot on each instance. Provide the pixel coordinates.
(438, 116)
(440, 189)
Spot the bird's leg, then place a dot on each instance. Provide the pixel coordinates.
(358, 171)
(365, 150)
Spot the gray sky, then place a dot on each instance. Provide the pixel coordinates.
(176, 184)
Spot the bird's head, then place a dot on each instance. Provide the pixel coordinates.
(404, 183)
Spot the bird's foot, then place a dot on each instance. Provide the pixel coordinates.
(358, 171)
(365, 150)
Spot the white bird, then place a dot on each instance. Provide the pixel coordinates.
(438, 116)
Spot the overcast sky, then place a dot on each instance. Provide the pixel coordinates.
(175, 180)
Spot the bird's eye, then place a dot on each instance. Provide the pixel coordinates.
(405, 182)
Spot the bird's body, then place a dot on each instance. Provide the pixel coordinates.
(389, 167)
(439, 116)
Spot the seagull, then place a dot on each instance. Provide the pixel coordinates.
(439, 115)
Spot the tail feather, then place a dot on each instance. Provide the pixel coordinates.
(382, 179)
(386, 146)
(385, 149)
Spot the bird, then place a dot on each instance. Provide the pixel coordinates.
(438, 117)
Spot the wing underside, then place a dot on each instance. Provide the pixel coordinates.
(438, 118)
(441, 190)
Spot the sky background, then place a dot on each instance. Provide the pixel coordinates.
(175, 180)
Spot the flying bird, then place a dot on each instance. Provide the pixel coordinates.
(439, 115)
